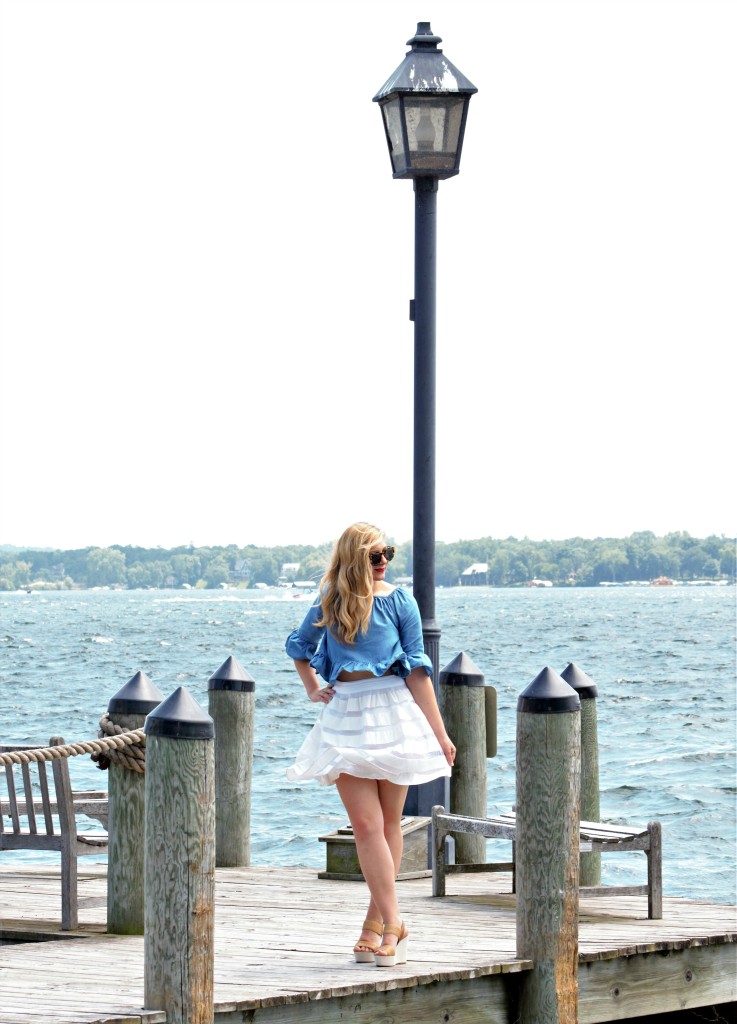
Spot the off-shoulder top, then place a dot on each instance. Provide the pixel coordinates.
(391, 644)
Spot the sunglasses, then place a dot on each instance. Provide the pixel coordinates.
(376, 556)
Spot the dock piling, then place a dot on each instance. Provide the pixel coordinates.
(590, 866)
(126, 813)
(464, 712)
(180, 861)
(547, 863)
(231, 703)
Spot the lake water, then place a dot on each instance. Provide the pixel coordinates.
(663, 660)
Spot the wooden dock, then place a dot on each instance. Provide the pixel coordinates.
(282, 953)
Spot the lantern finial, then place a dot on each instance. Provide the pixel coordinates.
(424, 39)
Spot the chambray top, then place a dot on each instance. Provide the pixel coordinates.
(391, 645)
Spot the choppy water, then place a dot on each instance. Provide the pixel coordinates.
(663, 661)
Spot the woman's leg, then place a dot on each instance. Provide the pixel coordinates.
(367, 801)
(392, 798)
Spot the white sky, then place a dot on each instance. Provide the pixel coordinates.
(206, 267)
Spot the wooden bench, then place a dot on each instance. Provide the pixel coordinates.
(43, 816)
(595, 837)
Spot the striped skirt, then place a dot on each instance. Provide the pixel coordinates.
(372, 729)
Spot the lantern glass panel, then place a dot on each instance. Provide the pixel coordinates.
(433, 131)
(392, 112)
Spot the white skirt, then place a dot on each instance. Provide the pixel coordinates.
(372, 729)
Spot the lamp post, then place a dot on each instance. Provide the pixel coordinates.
(424, 105)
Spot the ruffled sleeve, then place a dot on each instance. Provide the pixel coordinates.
(410, 632)
(304, 643)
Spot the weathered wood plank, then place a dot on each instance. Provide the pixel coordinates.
(487, 1001)
(283, 938)
(617, 989)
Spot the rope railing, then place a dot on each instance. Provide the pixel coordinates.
(124, 747)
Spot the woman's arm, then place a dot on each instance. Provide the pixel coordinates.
(418, 681)
(317, 694)
(302, 644)
(421, 688)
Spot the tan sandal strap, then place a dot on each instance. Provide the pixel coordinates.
(394, 929)
(366, 945)
(373, 926)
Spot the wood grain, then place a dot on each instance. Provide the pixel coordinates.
(464, 713)
(126, 825)
(233, 714)
(547, 859)
(179, 878)
(283, 940)
(590, 863)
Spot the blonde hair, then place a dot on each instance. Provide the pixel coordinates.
(347, 587)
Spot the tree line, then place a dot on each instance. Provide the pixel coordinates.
(510, 562)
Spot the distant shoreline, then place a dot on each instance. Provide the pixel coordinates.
(50, 588)
(640, 559)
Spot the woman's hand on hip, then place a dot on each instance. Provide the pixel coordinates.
(323, 696)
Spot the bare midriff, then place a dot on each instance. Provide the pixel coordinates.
(350, 677)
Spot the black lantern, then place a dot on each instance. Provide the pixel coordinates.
(424, 105)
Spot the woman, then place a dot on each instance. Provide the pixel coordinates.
(380, 729)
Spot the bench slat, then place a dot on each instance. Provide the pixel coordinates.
(10, 777)
(594, 836)
(503, 825)
(28, 791)
(43, 780)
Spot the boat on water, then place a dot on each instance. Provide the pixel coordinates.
(662, 581)
(301, 590)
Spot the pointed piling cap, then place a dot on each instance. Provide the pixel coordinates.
(137, 697)
(461, 671)
(231, 676)
(584, 685)
(180, 717)
(548, 694)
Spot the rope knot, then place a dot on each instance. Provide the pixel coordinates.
(120, 749)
